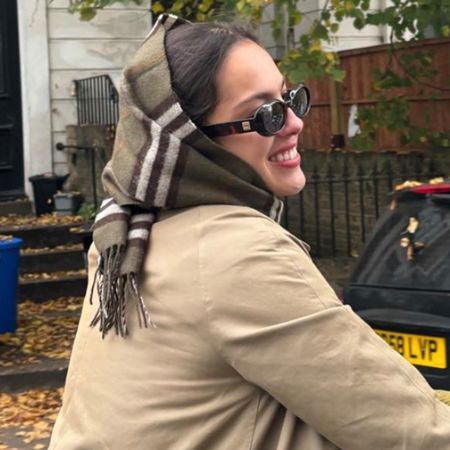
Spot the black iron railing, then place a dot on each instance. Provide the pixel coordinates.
(97, 101)
(337, 209)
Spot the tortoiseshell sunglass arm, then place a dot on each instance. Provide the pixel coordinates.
(225, 129)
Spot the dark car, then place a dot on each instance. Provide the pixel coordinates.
(401, 283)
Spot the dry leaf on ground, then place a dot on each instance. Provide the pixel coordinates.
(17, 221)
(52, 275)
(44, 330)
(34, 411)
(58, 248)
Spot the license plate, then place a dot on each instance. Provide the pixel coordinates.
(420, 350)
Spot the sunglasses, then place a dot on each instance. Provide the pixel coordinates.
(269, 118)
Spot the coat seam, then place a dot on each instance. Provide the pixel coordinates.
(255, 420)
(210, 328)
(299, 270)
(205, 298)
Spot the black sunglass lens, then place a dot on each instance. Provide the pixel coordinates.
(271, 118)
(277, 117)
(300, 101)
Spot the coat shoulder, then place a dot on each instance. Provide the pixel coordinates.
(240, 244)
(244, 226)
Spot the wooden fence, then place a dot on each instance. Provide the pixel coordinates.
(357, 87)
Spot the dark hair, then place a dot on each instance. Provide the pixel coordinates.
(195, 52)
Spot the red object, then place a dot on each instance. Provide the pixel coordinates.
(439, 188)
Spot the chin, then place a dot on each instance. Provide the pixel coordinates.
(293, 187)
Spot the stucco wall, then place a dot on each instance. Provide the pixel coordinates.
(82, 49)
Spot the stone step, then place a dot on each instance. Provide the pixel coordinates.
(38, 236)
(41, 289)
(52, 260)
(20, 206)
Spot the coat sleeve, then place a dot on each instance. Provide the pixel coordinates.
(278, 323)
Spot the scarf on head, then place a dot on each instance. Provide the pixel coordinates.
(161, 160)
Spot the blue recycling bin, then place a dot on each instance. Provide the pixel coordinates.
(9, 265)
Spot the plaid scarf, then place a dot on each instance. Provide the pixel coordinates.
(161, 160)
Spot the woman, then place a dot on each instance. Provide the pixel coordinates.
(247, 346)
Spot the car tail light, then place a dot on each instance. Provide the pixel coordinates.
(439, 188)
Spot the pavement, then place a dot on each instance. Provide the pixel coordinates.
(33, 367)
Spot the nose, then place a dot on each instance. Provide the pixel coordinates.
(293, 124)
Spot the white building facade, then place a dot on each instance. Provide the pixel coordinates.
(55, 48)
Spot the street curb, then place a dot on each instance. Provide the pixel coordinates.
(49, 374)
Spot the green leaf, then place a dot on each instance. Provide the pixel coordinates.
(365, 5)
(337, 74)
(326, 15)
(349, 6)
(87, 14)
(319, 31)
(334, 27)
(359, 23)
(157, 7)
(339, 16)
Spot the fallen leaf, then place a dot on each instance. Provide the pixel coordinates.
(44, 329)
(52, 275)
(17, 221)
(33, 411)
(41, 425)
(58, 248)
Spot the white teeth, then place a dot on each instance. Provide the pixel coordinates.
(284, 156)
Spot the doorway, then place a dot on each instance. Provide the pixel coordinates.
(11, 146)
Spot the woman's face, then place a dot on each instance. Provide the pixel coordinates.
(247, 78)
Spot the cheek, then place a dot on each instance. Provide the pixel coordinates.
(252, 147)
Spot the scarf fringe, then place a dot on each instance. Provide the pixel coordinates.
(114, 292)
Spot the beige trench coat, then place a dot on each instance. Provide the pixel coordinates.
(252, 351)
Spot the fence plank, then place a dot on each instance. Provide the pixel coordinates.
(429, 107)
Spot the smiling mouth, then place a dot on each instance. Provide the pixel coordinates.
(288, 155)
